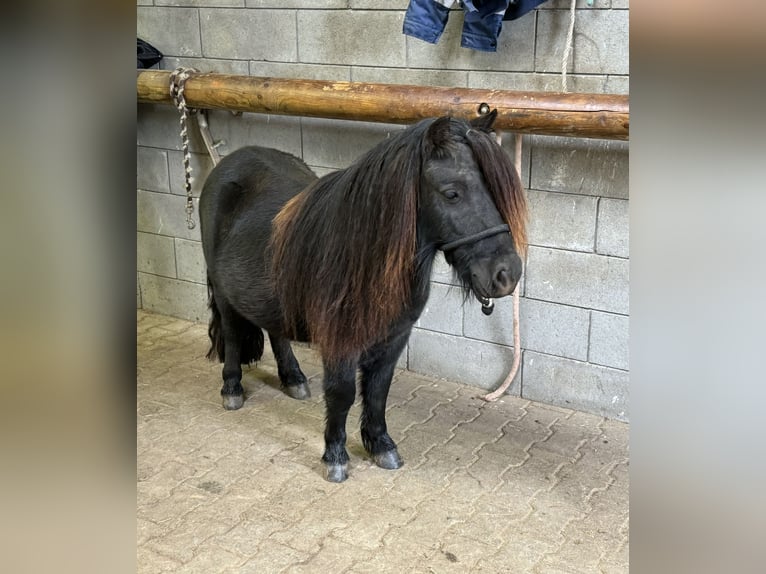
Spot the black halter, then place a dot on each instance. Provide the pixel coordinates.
(475, 237)
(487, 304)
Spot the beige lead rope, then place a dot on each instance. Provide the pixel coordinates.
(500, 391)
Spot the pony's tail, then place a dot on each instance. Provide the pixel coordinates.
(251, 336)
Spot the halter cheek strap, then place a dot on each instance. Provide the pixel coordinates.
(475, 237)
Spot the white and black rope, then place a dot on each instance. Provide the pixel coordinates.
(177, 84)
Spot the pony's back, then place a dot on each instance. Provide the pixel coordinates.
(250, 182)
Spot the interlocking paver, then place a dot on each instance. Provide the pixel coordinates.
(510, 486)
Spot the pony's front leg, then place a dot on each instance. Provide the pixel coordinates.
(339, 393)
(377, 366)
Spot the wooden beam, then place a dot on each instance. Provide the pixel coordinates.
(604, 116)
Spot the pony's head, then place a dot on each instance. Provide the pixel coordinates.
(472, 205)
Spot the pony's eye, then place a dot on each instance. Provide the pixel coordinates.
(451, 194)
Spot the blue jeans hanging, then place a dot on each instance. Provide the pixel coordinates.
(426, 19)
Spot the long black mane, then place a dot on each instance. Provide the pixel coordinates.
(344, 250)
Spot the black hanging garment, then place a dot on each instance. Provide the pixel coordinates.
(517, 8)
(148, 55)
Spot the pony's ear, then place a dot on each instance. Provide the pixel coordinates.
(485, 122)
(439, 132)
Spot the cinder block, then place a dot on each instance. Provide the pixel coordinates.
(158, 127)
(618, 85)
(201, 3)
(609, 340)
(173, 31)
(565, 221)
(613, 228)
(576, 385)
(165, 214)
(234, 132)
(201, 165)
(467, 361)
(535, 82)
(138, 292)
(174, 297)
(621, 4)
(585, 167)
(304, 71)
(313, 5)
(377, 5)
(248, 34)
(515, 48)
(338, 143)
(446, 78)
(217, 66)
(155, 254)
(145, 2)
(152, 169)
(579, 279)
(443, 311)
(600, 41)
(495, 328)
(364, 38)
(545, 327)
(190, 261)
(581, 5)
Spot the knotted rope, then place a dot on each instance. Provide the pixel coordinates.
(177, 85)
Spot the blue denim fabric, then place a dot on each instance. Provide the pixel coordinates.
(426, 19)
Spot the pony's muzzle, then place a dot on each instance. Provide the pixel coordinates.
(498, 278)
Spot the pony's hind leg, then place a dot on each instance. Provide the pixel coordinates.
(339, 393)
(226, 347)
(293, 380)
(232, 393)
(377, 366)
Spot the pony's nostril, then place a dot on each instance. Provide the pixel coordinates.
(502, 278)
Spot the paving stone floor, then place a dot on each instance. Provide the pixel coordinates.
(512, 486)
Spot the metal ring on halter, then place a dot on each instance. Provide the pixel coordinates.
(487, 306)
(476, 237)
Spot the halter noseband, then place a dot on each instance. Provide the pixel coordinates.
(475, 237)
(487, 304)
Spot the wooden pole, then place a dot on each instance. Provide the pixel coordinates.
(604, 116)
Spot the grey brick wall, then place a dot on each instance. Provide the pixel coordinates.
(574, 306)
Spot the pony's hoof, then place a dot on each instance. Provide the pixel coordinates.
(233, 402)
(336, 472)
(300, 391)
(389, 460)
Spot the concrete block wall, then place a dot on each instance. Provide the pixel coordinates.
(574, 305)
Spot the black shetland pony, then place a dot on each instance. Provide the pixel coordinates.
(344, 261)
